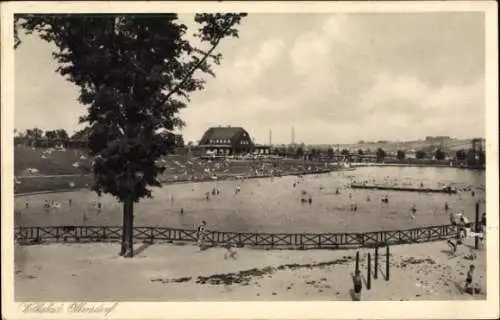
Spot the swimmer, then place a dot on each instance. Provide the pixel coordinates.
(413, 209)
(367, 198)
(26, 204)
(70, 202)
(337, 191)
(446, 206)
(182, 211)
(310, 200)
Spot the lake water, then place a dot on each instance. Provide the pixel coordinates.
(274, 205)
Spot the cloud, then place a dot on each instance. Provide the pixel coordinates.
(336, 78)
(251, 64)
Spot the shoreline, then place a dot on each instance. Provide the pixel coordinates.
(183, 181)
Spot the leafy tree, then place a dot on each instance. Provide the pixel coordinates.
(135, 72)
(401, 155)
(381, 154)
(440, 154)
(420, 154)
(34, 134)
(62, 134)
(300, 152)
(461, 155)
(81, 134)
(360, 152)
(475, 158)
(345, 152)
(471, 157)
(330, 153)
(51, 134)
(314, 153)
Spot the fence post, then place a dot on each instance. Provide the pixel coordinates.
(375, 274)
(387, 263)
(38, 234)
(357, 261)
(369, 274)
(476, 238)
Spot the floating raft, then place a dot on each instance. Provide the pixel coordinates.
(390, 188)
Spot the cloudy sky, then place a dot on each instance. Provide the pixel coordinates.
(336, 78)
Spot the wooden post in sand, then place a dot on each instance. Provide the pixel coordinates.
(375, 274)
(476, 238)
(357, 261)
(369, 273)
(387, 263)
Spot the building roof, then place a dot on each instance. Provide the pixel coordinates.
(222, 133)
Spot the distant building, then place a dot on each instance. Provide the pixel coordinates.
(437, 138)
(411, 154)
(230, 141)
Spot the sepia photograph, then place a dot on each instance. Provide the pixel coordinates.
(239, 155)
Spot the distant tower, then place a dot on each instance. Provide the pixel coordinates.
(477, 145)
(293, 135)
(270, 137)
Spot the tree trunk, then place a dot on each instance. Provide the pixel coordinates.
(124, 228)
(128, 225)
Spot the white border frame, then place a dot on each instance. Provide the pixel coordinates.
(259, 310)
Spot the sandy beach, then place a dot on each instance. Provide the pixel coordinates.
(163, 272)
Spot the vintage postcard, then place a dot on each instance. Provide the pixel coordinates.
(249, 160)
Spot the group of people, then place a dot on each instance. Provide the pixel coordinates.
(464, 229)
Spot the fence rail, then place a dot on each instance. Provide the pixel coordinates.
(37, 235)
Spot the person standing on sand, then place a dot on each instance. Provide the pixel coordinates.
(202, 231)
(469, 286)
(358, 285)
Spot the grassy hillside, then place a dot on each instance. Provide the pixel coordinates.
(449, 146)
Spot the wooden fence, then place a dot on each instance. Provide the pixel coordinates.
(36, 235)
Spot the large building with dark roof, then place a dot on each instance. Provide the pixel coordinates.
(230, 141)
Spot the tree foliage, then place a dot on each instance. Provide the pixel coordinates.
(299, 152)
(461, 155)
(381, 154)
(330, 152)
(439, 154)
(401, 155)
(134, 72)
(58, 134)
(420, 154)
